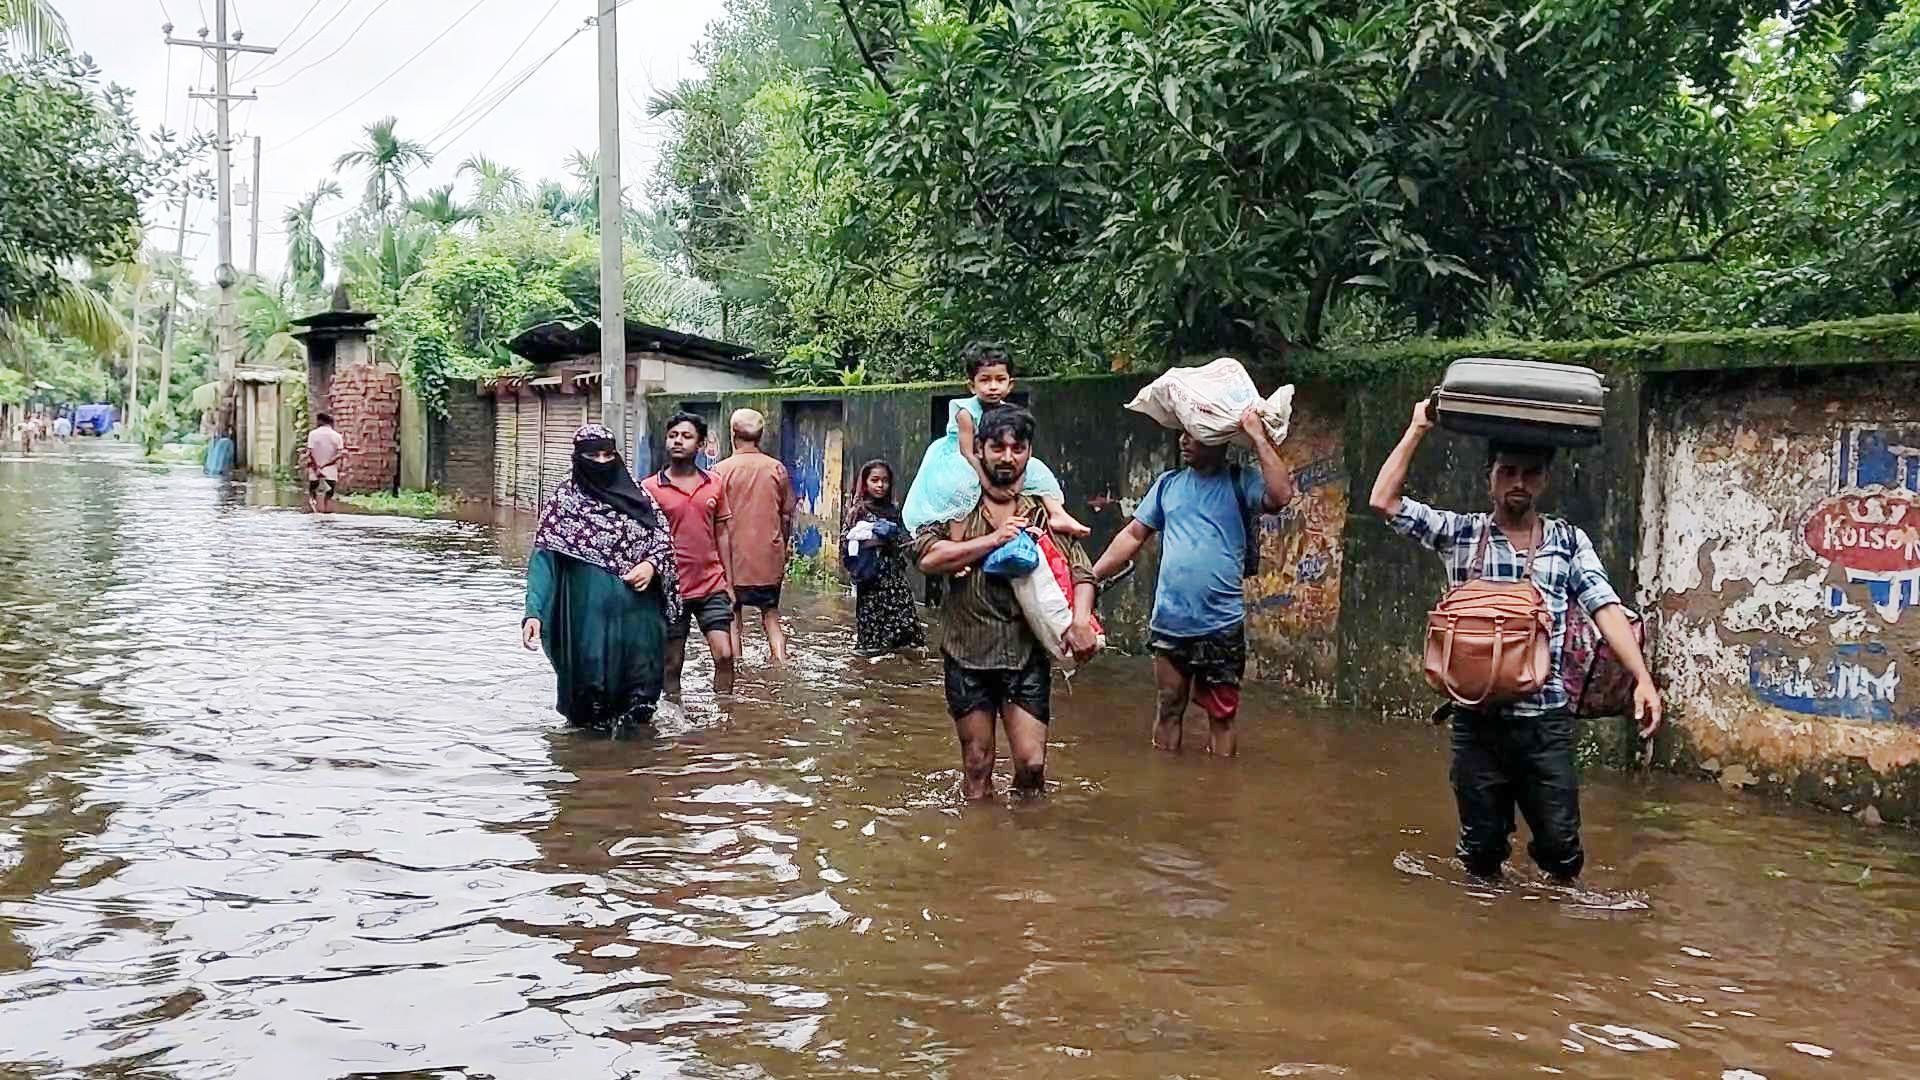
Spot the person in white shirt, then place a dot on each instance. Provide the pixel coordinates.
(325, 448)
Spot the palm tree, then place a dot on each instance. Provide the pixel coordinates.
(266, 326)
(306, 255)
(34, 26)
(496, 187)
(387, 159)
(397, 254)
(585, 167)
(657, 295)
(437, 207)
(556, 203)
(73, 309)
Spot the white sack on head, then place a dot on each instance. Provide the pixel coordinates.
(1206, 403)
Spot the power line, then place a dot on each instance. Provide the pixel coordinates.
(336, 49)
(408, 62)
(502, 95)
(499, 98)
(460, 113)
(507, 92)
(315, 6)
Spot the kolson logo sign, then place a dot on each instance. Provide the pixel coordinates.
(1877, 531)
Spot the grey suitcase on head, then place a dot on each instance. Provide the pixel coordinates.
(1522, 401)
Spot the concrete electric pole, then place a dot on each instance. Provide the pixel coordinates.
(613, 277)
(173, 313)
(253, 196)
(226, 339)
(133, 363)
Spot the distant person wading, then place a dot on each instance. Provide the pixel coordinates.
(325, 449)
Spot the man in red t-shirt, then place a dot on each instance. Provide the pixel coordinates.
(695, 504)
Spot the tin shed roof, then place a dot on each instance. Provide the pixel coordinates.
(552, 342)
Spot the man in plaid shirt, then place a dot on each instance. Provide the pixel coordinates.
(1518, 754)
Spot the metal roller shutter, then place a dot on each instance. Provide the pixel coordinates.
(564, 415)
(505, 416)
(526, 460)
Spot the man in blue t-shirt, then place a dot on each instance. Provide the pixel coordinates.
(1199, 638)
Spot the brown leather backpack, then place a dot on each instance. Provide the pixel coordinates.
(1490, 642)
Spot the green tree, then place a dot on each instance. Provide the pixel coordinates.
(33, 26)
(306, 254)
(387, 161)
(439, 207)
(497, 188)
(72, 176)
(265, 313)
(1823, 224)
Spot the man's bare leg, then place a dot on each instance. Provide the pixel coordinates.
(1027, 743)
(1169, 725)
(720, 643)
(975, 731)
(1221, 730)
(675, 661)
(776, 634)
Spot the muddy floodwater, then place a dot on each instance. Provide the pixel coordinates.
(282, 797)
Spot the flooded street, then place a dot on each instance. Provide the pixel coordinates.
(281, 796)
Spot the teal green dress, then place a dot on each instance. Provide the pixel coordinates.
(607, 642)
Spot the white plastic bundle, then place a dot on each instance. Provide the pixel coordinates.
(1206, 402)
(1045, 601)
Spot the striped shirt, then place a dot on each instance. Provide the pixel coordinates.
(1565, 566)
(985, 630)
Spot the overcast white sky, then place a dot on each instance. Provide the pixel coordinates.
(301, 88)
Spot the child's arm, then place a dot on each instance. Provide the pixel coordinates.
(964, 422)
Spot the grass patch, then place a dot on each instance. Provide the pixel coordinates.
(815, 572)
(408, 503)
(178, 454)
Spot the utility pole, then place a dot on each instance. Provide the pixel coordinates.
(173, 310)
(133, 372)
(613, 277)
(225, 336)
(253, 242)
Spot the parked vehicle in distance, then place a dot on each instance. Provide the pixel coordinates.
(93, 420)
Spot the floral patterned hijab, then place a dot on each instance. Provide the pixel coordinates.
(602, 518)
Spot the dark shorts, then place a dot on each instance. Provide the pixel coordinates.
(713, 613)
(320, 488)
(1216, 663)
(764, 597)
(991, 690)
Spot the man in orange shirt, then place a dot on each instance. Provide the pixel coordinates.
(761, 496)
(695, 505)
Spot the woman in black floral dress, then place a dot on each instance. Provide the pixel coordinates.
(884, 620)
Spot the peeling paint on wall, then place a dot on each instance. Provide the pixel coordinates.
(810, 446)
(1788, 550)
(1293, 606)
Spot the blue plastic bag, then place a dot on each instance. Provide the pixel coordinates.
(1017, 557)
